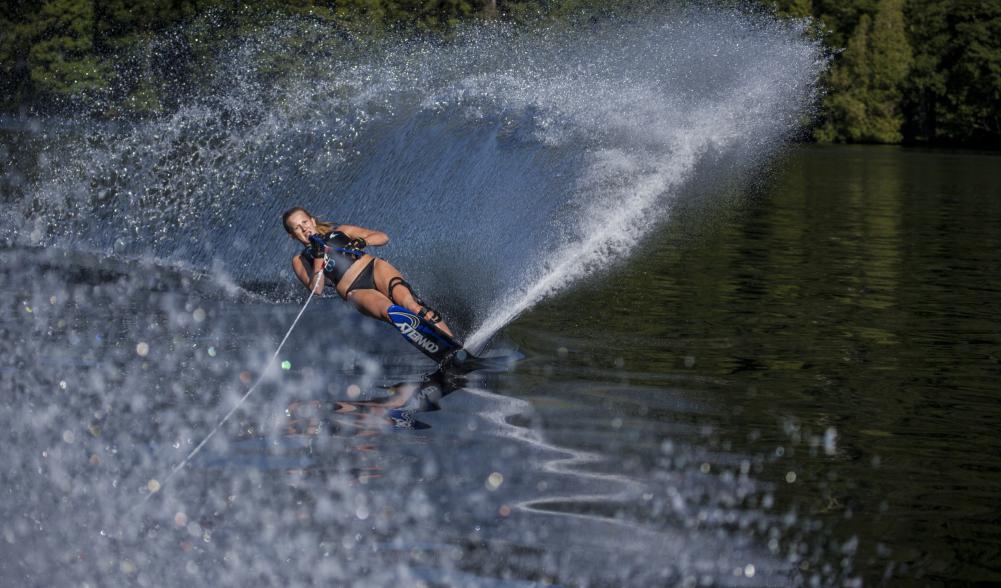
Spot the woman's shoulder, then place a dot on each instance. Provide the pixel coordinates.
(335, 227)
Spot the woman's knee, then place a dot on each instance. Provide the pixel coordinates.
(400, 292)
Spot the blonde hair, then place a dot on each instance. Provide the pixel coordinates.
(322, 227)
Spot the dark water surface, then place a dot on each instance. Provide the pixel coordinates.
(795, 386)
(841, 328)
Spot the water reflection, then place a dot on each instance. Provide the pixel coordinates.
(313, 429)
(853, 297)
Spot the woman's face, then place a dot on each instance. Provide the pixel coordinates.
(301, 226)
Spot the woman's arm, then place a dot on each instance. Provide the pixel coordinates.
(374, 238)
(305, 276)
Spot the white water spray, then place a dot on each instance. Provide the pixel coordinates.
(156, 486)
(505, 165)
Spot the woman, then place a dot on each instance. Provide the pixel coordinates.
(334, 255)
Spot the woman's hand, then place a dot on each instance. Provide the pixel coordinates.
(368, 236)
(317, 247)
(312, 280)
(318, 281)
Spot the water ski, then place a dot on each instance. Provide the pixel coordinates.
(431, 341)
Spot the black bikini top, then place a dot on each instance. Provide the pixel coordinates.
(340, 256)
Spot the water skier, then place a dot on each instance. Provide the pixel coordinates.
(335, 255)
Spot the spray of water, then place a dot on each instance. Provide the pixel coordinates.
(236, 405)
(505, 165)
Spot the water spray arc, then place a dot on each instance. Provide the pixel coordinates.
(508, 164)
(544, 136)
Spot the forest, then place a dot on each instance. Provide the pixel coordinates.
(901, 71)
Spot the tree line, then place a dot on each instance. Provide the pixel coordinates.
(902, 71)
(912, 71)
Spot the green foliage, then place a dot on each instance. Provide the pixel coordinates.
(14, 46)
(973, 108)
(123, 23)
(905, 70)
(944, 89)
(955, 87)
(865, 86)
(430, 15)
(144, 99)
(890, 61)
(61, 60)
(841, 17)
(844, 104)
(793, 8)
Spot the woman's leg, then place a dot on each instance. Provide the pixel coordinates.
(372, 303)
(402, 295)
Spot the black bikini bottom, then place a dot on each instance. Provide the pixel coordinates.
(365, 279)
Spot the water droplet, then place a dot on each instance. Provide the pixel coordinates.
(494, 481)
(830, 441)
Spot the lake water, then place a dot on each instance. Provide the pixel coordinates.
(797, 384)
(840, 328)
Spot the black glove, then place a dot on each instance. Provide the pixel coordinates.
(317, 247)
(357, 243)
